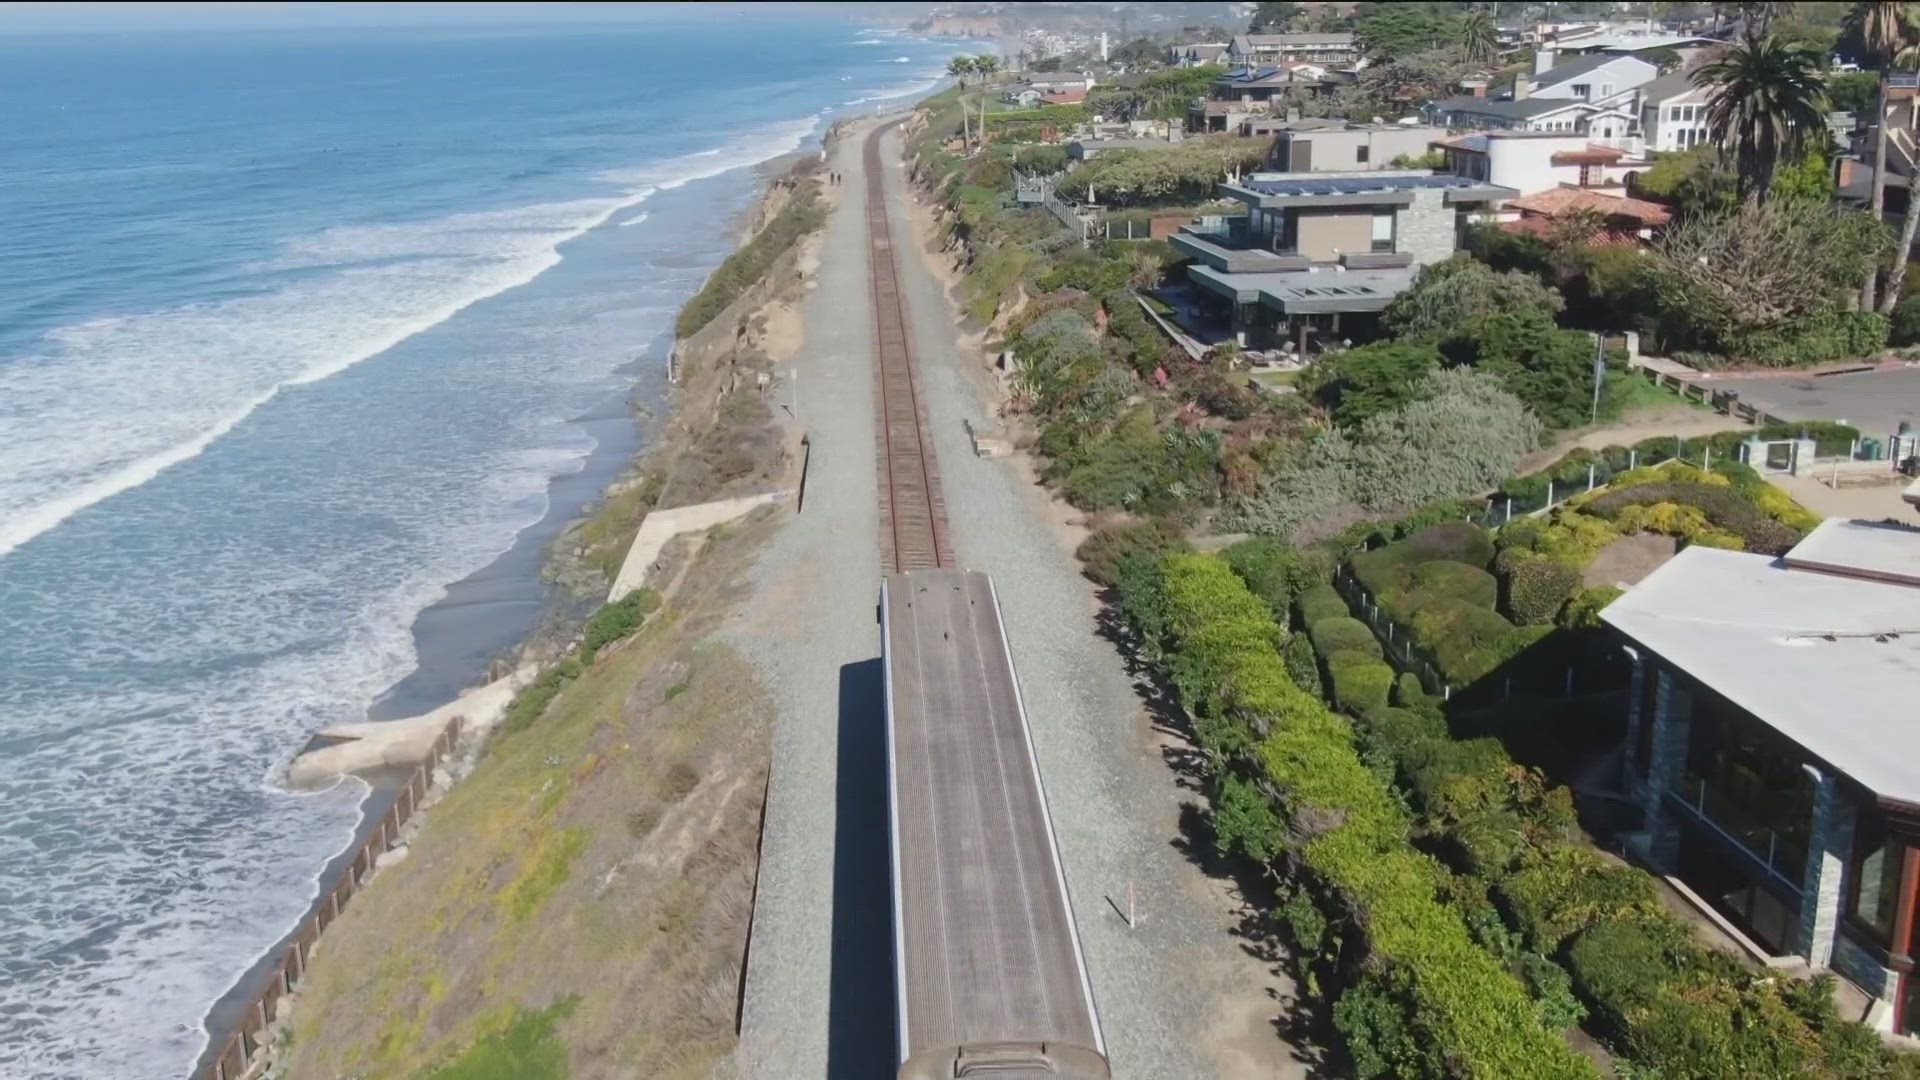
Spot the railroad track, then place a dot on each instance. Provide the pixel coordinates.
(913, 516)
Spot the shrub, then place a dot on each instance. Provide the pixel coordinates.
(1444, 579)
(1275, 572)
(1303, 664)
(1466, 640)
(1562, 889)
(1583, 611)
(1459, 439)
(802, 214)
(1346, 835)
(1455, 541)
(1360, 682)
(1100, 553)
(1320, 603)
(1538, 588)
(1344, 634)
(1408, 693)
(611, 622)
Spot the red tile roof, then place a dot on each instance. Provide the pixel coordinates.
(1561, 200)
(1065, 97)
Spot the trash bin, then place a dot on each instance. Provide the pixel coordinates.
(1870, 449)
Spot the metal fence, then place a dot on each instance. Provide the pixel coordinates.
(1553, 488)
(1394, 638)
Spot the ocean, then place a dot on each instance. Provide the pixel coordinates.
(296, 332)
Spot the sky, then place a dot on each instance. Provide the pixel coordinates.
(27, 18)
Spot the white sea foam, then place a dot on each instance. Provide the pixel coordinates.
(110, 404)
(890, 92)
(637, 219)
(903, 59)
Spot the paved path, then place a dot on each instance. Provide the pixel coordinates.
(660, 526)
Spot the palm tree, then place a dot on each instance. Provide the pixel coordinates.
(985, 65)
(960, 67)
(1768, 105)
(1479, 38)
(1886, 34)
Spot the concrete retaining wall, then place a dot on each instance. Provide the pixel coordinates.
(241, 1049)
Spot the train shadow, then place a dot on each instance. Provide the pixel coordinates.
(860, 1012)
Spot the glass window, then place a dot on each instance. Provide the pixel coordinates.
(1748, 781)
(1649, 698)
(1288, 241)
(1582, 89)
(1383, 230)
(1873, 874)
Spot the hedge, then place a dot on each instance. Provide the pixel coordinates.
(1344, 634)
(1405, 959)
(1442, 579)
(1538, 588)
(1360, 682)
(1320, 603)
(1277, 573)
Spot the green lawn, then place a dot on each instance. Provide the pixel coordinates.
(1274, 380)
(1639, 392)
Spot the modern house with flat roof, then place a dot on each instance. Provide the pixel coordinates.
(1314, 247)
(1772, 749)
(1343, 146)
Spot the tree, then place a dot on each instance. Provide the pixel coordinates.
(960, 67)
(1414, 77)
(985, 65)
(1479, 38)
(1140, 52)
(1547, 368)
(1664, 59)
(1451, 300)
(1884, 34)
(1273, 18)
(1762, 265)
(1363, 383)
(1768, 105)
(1389, 30)
(1853, 91)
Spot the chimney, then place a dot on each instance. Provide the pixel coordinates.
(1293, 113)
(1542, 61)
(1522, 86)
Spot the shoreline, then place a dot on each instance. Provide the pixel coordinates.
(520, 607)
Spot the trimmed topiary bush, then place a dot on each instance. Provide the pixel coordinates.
(1465, 639)
(1320, 603)
(1538, 588)
(1303, 664)
(1275, 572)
(1344, 634)
(1360, 682)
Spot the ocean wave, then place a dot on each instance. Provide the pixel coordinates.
(637, 219)
(109, 404)
(903, 90)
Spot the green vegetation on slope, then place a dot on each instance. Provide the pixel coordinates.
(527, 1048)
